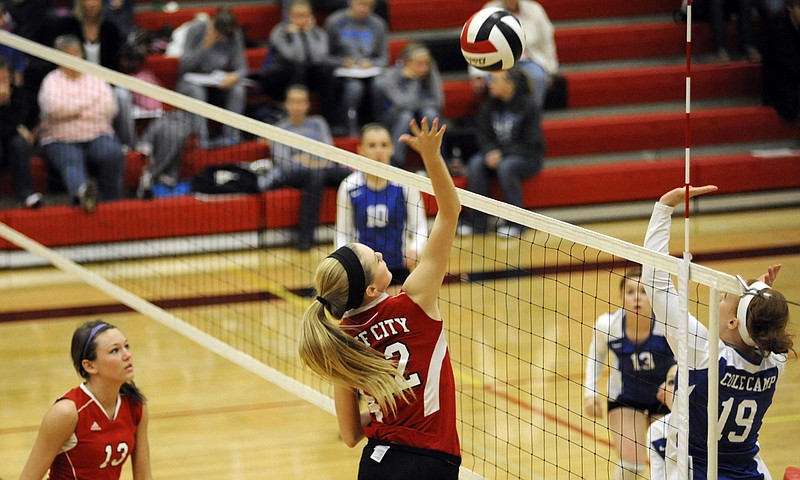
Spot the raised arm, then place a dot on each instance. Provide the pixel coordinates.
(416, 227)
(658, 284)
(345, 225)
(424, 282)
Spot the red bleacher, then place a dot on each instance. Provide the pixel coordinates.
(605, 133)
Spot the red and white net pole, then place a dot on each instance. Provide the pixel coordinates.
(713, 366)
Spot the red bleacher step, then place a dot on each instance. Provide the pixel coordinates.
(659, 130)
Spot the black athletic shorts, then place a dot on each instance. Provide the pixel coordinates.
(392, 461)
(654, 408)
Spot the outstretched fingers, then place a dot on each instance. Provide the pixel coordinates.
(425, 135)
(771, 275)
(678, 195)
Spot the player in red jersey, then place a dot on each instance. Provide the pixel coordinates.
(391, 349)
(90, 432)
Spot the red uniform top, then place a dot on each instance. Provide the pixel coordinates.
(400, 329)
(99, 445)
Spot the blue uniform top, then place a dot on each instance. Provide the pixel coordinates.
(387, 220)
(636, 369)
(746, 386)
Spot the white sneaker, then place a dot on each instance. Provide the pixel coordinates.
(509, 231)
(87, 196)
(34, 200)
(145, 188)
(464, 229)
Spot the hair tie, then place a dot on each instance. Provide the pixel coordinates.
(357, 283)
(753, 290)
(91, 336)
(323, 301)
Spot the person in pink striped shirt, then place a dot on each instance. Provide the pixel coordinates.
(76, 134)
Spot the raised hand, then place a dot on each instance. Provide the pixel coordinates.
(771, 275)
(677, 195)
(425, 137)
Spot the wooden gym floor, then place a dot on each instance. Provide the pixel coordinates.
(211, 419)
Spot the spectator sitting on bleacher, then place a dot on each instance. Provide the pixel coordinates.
(717, 12)
(121, 13)
(16, 138)
(410, 89)
(326, 7)
(215, 48)
(539, 59)
(510, 146)
(359, 47)
(102, 44)
(302, 170)
(298, 55)
(76, 132)
(780, 68)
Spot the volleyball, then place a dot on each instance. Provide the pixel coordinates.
(492, 40)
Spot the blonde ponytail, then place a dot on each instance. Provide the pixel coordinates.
(333, 354)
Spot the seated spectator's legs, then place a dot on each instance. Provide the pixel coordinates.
(397, 123)
(17, 153)
(69, 160)
(235, 98)
(352, 93)
(744, 15)
(320, 79)
(277, 77)
(200, 93)
(511, 172)
(716, 18)
(311, 183)
(105, 154)
(123, 122)
(540, 78)
(169, 134)
(477, 182)
(781, 90)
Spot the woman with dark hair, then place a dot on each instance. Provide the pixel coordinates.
(510, 146)
(634, 347)
(90, 432)
(753, 349)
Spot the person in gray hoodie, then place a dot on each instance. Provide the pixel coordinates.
(299, 55)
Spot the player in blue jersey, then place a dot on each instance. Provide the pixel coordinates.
(385, 216)
(657, 433)
(635, 348)
(753, 348)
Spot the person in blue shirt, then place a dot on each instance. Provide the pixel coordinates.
(634, 346)
(753, 350)
(387, 217)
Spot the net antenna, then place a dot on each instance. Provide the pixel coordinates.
(713, 327)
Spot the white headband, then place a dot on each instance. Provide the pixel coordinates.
(751, 291)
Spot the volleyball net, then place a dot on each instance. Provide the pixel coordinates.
(221, 270)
